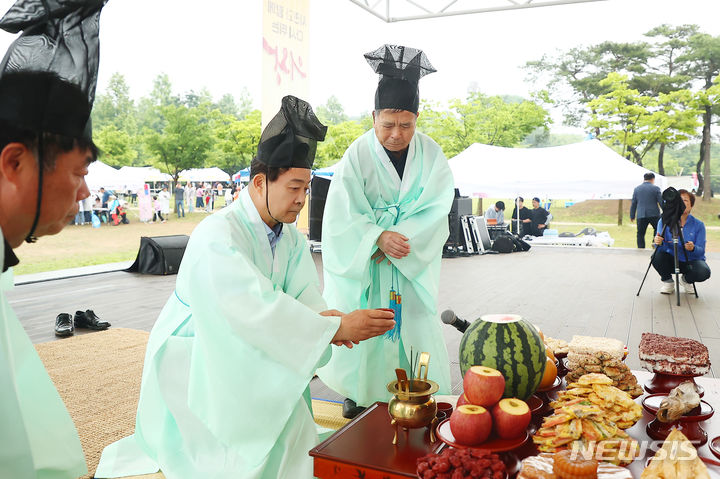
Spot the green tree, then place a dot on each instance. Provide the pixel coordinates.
(663, 75)
(332, 112)
(185, 140)
(636, 123)
(237, 141)
(481, 119)
(338, 139)
(115, 145)
(702, 63)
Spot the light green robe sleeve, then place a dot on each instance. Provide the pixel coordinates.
(258, 334)
(37, 436)
(350, 228)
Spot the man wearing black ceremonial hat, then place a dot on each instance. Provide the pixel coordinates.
(225, 384)
(384, 226)
(47, 87)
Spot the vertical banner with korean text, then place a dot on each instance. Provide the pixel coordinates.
(285, 53)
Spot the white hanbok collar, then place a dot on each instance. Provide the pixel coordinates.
(258, 227)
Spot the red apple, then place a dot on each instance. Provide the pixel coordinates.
(462, 400)
(511, 417)
(470, 424)
(483, 386)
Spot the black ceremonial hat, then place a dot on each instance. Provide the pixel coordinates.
(48, 75)
(400, 69)
(290, 139)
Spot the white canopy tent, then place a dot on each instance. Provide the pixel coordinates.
(144, 174)
(101, 175)
(585, 170)
(204, 174)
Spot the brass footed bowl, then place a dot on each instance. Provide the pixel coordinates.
(416, 408)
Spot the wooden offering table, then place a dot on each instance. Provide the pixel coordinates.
(363, 448)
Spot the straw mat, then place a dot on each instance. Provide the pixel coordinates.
(98, 376)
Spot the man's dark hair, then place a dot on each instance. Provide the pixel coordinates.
(272, 173)
(520, 198)
(649, 176)
(500, 205)
(53, 144)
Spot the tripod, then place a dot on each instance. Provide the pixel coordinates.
(677, 235)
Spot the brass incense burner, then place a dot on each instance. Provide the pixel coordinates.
(413, 405)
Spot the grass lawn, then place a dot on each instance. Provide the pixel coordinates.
(83, 245)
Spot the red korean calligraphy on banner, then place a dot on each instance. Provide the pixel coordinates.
(284, 53)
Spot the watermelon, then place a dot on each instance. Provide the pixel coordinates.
(511, 345)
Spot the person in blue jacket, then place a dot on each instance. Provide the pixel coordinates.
(694, 269)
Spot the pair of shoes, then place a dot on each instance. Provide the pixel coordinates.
(350, 409)
(64, 325)
(89, 320)
(667, 287)
(688, 288)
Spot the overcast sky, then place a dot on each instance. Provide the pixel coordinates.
(217, 43)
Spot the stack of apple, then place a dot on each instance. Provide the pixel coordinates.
(480, 410)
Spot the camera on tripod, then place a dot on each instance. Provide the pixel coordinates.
(673, 208)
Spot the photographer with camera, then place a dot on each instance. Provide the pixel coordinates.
(692, 265)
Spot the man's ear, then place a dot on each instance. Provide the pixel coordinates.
(258, 181)
(373, 115)
(15, 160)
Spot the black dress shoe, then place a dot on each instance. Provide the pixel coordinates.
(88, 319)
(350, 409)
(64, 325)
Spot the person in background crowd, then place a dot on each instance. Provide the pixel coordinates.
(228, 196)
(87, 209)
(496, 212)
(646, 203)
(190, 196)
(540, 218)
(208, 198)
(520, 215)
(179, 200)
(104, 197)
(117, 211)
(157, 214)
(199, 197)
(164, 199)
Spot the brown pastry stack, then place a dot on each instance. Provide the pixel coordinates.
(671, 355)
(601, 355)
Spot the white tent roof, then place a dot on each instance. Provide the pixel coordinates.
(143, 174)
(101, 175)
(204, 174)
(585, 170)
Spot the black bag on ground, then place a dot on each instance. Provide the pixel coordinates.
(503, 244)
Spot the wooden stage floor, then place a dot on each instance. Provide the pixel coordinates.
(565, 291)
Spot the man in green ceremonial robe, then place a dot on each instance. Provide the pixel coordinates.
(384, 226)
(47, 87)
(225, 387)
